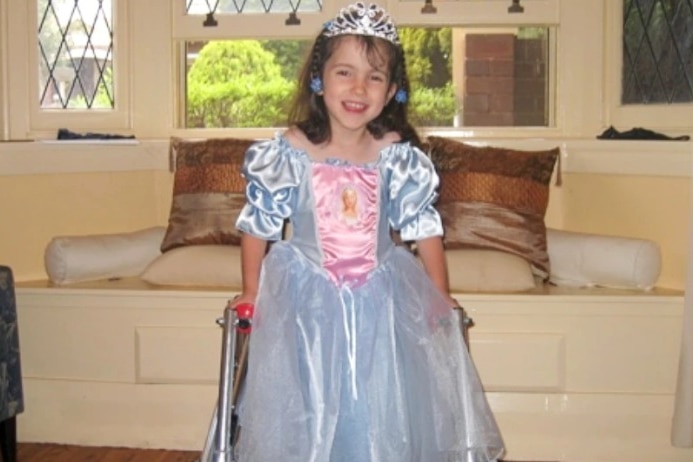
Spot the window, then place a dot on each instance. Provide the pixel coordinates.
(148, 87)
(657, 52)
(67, 66)
(75, 54)
(212, 7)
(221, 93)
(460, 76)
(649, 73)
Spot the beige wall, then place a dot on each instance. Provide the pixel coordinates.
(649, 207)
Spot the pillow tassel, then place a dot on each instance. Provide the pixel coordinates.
(559, 167)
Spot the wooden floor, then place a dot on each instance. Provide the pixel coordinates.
(38, 452)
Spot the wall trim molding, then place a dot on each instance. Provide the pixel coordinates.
(613, 157)
(57, 157)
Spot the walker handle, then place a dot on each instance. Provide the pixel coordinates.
(244, 312)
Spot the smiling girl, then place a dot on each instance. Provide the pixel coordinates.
(355, 354)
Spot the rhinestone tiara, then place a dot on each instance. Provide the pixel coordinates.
(361, 19)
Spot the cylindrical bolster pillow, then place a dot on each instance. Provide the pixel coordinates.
(69, 259)
(584, 260)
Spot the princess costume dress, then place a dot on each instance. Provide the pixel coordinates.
(355, 356)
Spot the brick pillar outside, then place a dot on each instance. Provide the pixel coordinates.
(489, 72)
(505, 81)
(530, 83)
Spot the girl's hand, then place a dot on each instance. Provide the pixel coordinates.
(244, 305)
(241, 298)
(453, 302)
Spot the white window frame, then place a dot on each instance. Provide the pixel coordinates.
(251, 26)
(670, 118)
(405, 13)
(24, 95)
(4, 46)
(473, 12)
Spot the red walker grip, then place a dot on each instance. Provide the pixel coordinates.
(244, 311)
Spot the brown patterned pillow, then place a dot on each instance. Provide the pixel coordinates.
(494, 198)
(208, 192)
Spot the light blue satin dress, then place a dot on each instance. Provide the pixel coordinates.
(355, 356)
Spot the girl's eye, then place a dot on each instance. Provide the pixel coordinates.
(378, 78)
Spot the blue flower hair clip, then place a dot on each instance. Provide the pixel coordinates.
(316, 85)
(401, 96)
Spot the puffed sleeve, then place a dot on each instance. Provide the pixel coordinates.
(413, 189)
(272, 175)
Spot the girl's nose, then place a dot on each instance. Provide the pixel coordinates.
(359, 87)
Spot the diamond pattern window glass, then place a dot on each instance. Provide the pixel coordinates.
(75, 54)
(205, 7)
(657, 52)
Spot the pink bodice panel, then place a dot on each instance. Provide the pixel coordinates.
(346, 214)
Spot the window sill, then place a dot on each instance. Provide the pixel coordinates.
(55, 157)
(649, 158)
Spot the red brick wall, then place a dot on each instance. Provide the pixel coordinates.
(505, 81)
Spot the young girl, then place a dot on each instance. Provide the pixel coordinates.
(356, 354)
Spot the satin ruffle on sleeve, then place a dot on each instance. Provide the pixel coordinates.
(272, 172)
(413, 191)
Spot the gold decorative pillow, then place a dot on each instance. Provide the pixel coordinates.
(208, 192)
(494, 198)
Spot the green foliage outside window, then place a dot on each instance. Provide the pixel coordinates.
(250, 83)
(433, 107)
(237, 84)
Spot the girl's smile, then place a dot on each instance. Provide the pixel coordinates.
(354, 107)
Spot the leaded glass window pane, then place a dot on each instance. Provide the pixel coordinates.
(75, 51)
(657, 52)
(204, 7)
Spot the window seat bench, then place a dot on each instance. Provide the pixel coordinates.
(571, 374)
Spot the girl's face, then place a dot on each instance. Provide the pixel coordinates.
(356, 88)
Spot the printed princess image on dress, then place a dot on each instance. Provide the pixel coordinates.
(349, 212)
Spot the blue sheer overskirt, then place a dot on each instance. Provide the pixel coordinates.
(373, 373)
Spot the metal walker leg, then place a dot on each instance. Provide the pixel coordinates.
(465, 323)
(223, 428)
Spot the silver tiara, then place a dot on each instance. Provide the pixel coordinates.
(359, 19)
